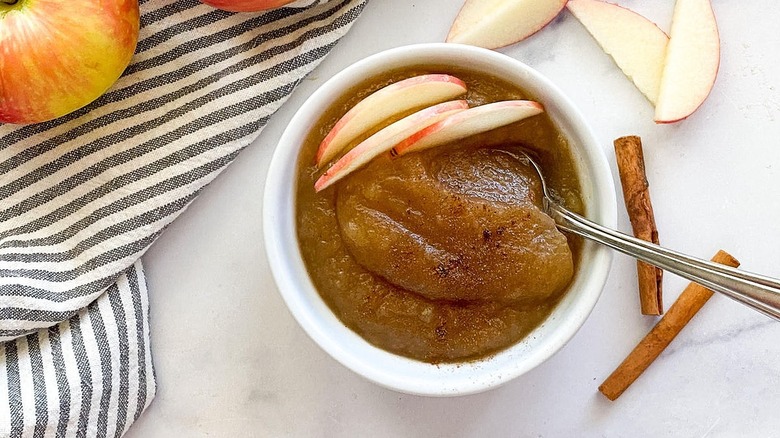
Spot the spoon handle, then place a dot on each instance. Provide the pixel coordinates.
(757, 291)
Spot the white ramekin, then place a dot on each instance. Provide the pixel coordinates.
(390, 370)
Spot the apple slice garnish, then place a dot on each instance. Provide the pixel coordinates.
(636, 44)
(384, 140)
(467, 123)
(394, 99)
(692, 61)
(497, 23)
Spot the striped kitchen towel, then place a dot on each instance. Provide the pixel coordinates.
(89, 376)
(82, 197)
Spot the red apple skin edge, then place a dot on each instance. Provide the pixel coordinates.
(246, 5)
(541, 26)
(349, 116)
(669, 122)
(712, 84)
(532, 32)
(335, 172)
(407, 145)
(56, 57)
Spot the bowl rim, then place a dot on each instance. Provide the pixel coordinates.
(295, 286)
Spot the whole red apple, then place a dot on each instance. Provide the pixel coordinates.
(58, 55)
(246, 5)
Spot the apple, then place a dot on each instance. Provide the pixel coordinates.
(246, 5)
(692, 61)
(384, 140)
(467, 123)
(636, 44)
(496, 23)
(58, 56)
(392, 100)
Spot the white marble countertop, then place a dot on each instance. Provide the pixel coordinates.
(231, 361)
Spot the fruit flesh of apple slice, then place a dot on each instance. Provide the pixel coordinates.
(394, 99)
(497, 23)
(384, 140)
(636, 44)
(467, 123)
(692, 61)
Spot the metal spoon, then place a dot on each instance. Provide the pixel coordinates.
(757, 291)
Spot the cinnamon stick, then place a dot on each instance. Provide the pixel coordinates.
(690, 301)
(636, 193)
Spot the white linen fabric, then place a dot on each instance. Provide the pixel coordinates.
(84, 196)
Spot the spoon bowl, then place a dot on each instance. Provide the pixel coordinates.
(756, 291)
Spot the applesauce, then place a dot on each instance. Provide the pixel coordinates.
(491, 266)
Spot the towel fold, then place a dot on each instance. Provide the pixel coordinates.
(91, 375)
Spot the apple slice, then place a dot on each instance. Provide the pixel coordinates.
(692, 61)
(636, 44)
(497, 23)
(384, 140)
(394, 99)
(467, 123)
